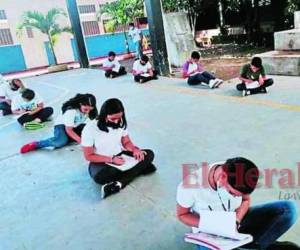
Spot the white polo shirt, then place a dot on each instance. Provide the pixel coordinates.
(7, 92)
(105, 143)
(137, 66)
(201, 198)
(109, 64)
(135, 33)
(19, 103)
(72, 118)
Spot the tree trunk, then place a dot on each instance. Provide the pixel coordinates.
(221, 15)
(126, 41)
(52, 49)
(256, 23)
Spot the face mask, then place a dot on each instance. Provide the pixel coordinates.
(113, 125)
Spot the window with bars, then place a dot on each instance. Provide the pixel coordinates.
(29, 32)
(84, 9)
(5, 37)
(90, 28)
(2, 15)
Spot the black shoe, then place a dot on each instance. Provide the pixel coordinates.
(110, 188)
(264, 90)
(149, 170)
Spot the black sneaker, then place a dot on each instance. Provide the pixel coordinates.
(264, 90)
(110, 188)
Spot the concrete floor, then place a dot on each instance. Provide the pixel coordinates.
(48, 200)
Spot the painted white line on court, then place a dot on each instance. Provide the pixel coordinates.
(65, 90)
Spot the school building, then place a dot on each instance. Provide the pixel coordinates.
(31, 49)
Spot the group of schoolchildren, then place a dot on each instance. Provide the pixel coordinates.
(103, 136)
(106, 145)
(253, 77)
(25, 103)
(142, 68)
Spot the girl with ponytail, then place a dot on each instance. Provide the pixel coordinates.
(69, 124)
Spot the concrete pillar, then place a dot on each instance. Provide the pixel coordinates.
(78, 34)
(179, 37)
(157, 35)
(297, 19)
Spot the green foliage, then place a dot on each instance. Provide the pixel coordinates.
(123, 12)
(292, 6)
(175, 6)
(47, 24)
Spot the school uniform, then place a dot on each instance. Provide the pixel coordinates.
(117, 69)
(135, 35)
(247, 73)
(201, 76)
(19, 103)
(266, 222)
(71, 118)
(109, 144)
(144, 76)
(6, 93)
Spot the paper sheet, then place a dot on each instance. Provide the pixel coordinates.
(129, 163)
(210, 223)
(252, 85)
(116, 68)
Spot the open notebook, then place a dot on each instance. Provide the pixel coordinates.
(217, 231)
(130, 162)
(116, 68)
(253, 85)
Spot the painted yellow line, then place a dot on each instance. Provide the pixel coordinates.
(247, 100)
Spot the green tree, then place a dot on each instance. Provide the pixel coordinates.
(47, 24)
(122, 12)
(292, 6)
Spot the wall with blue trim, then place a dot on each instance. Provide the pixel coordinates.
(49, 53)
(99, 46)
(11, 59)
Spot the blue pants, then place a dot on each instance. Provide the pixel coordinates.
(60, 137)
(267, 222)
(201, 77)
(138, 49)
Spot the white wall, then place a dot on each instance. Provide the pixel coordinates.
(33, 48)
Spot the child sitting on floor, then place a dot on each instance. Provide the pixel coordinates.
(8, 91)
(31, 109)
(112, 66)
(254, 78)
(195, 73)
(143, 71)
